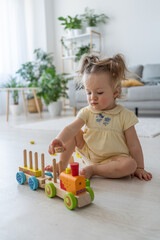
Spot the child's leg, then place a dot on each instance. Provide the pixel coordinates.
(70, 147)
(117, 168)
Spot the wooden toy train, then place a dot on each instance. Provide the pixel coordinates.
(73, 188)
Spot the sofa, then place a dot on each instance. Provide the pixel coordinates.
(137, 97)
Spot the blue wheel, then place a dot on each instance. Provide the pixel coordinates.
(33, 183)
(20, 177)
(49, 174)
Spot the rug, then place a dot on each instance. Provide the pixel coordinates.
(56, 124)
(147, 127)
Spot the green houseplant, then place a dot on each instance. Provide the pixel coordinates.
(53, 86)
(91, 19)
(13, 83)
(84, 49)
(31, 72)
(72, 23)
(66, 49)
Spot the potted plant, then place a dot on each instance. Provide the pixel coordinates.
(92, 20)
(53, 86)
(77, 25)
(72, 24)
(31, 72)
(84, 49)
(13, 83)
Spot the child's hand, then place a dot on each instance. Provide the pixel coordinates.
(55, 143)
(142, 174)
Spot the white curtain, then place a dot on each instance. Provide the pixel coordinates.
(22, 29)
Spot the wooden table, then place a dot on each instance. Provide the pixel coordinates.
(24, 102)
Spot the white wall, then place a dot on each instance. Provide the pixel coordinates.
(133, 28)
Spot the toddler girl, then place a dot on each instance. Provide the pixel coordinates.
(109, 142)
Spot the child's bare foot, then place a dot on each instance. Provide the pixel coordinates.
(49, 168)
(87, 172)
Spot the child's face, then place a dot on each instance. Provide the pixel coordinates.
(100, 93)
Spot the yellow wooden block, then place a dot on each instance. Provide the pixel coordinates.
(68, 170)
(78, 155)
(31, 172)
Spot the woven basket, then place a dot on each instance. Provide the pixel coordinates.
(32, 105)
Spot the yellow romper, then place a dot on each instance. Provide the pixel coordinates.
(104, 133)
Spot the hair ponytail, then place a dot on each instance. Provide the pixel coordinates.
(117, 67)
(87, 63)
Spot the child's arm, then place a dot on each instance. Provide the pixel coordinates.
(66, 134)
(136, 152)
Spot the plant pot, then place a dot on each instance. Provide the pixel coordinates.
(70, 33)
(32, 105)
(15, 109)
(77, 32)
(89, 29)
(55, 109)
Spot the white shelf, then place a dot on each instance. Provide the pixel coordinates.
(94, 43)
(76, 37)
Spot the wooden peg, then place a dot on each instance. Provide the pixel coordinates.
(36, 160)
(60, 167)
(42, 165)
(54, 170)
(25, 157)
(30, 160)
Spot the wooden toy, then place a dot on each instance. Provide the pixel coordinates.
(32, 142)
(70, 186)
(59, 149)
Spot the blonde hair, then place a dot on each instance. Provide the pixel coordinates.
(115, 66)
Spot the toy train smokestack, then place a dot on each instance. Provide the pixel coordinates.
(74, 169)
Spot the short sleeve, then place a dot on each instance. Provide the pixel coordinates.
(128, 119)
(83, 114)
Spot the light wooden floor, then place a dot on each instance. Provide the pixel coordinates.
(126, 209)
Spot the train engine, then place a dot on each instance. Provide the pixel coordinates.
(71, 181)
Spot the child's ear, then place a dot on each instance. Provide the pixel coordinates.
(116, 92)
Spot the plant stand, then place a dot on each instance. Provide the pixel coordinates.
(24, 103)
